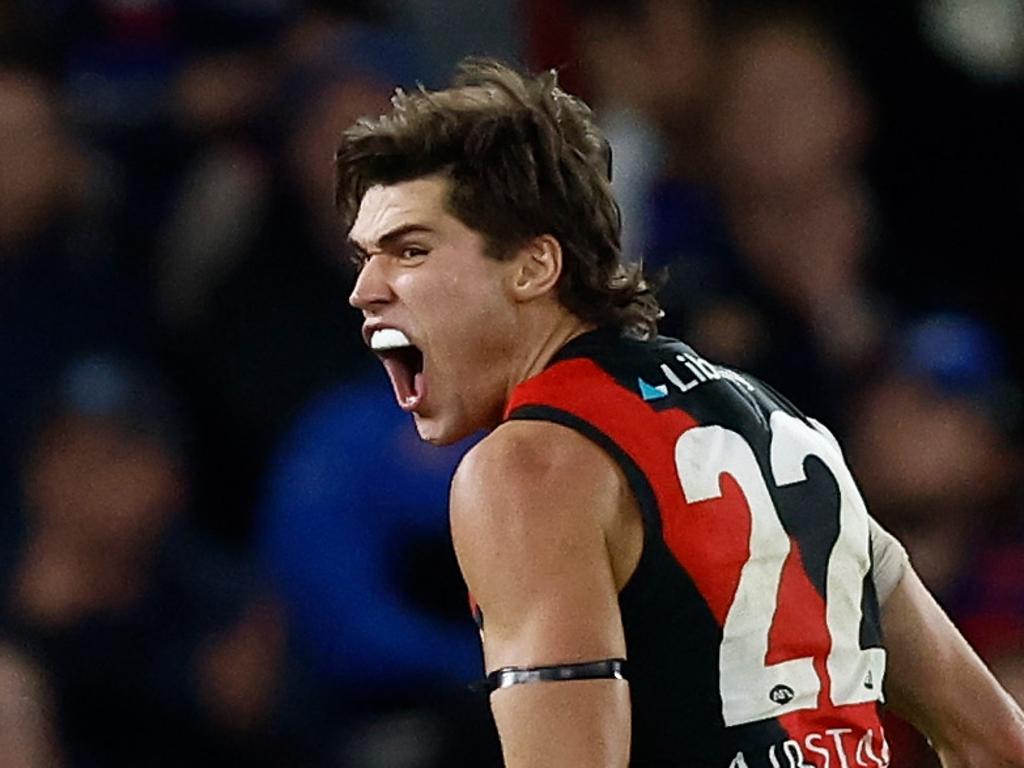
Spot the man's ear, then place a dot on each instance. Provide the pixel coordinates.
(538, 267)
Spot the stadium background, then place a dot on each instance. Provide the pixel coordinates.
(220, 542)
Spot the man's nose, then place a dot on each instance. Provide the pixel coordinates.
(371, 286)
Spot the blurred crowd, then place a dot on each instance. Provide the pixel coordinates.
(220, 541)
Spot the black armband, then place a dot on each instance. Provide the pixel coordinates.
(506, 677)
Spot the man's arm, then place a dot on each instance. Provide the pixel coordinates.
(531, 506)
(937, 682)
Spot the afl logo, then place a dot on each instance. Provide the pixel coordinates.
(781, 694)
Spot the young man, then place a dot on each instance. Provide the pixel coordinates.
(632, 500)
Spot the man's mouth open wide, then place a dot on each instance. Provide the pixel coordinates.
(403, 361)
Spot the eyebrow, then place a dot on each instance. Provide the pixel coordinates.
(388, 238)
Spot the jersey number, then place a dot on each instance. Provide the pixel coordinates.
(751, 689)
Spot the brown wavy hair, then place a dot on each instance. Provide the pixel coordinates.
(523, 158)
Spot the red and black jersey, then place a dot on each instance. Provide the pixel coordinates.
(751, 621)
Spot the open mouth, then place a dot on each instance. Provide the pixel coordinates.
(403, 362)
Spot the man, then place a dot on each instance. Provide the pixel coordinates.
(632, 500)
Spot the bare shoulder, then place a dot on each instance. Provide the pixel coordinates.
(530, 447)
(526, 469)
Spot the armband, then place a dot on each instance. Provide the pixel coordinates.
(506, 677)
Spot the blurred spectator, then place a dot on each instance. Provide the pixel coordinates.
(354, 530)
(160, 650)
(58, 292)
(648, 64)
(27, 737)
(790, 127)
(947, 165)
(746, 185)
(932, 449)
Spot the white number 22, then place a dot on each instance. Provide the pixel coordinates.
(750, 687)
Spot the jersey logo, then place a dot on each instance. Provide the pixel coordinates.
(651, 392)
(782, 694)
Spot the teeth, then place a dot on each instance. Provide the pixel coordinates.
(388, 338)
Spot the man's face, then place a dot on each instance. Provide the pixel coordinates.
(438, 311)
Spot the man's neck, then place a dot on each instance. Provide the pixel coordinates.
(556, 336)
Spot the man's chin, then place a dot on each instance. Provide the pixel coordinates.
(431, 431)
(436, 432)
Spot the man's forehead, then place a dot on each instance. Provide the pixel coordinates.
(386, 208)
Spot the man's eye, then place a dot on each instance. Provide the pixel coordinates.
(413, 252)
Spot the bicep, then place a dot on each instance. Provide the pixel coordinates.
(534, 554)
(546, 597)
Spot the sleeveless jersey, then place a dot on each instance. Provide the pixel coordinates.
(751, 621)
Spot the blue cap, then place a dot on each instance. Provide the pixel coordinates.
(960, 356)
(955, 352)
(114, 388)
